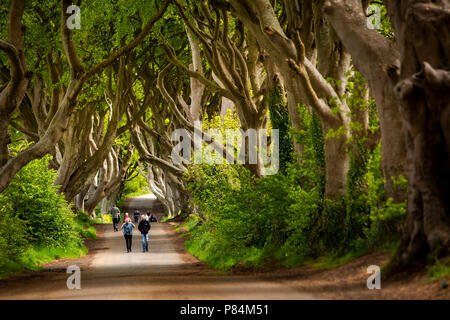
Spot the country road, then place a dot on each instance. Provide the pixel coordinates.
(166, 272)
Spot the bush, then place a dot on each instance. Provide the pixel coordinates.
(13, 239)
(243, 220)
(36, 224)
(105, 218)
(32, 197)
(440, 269)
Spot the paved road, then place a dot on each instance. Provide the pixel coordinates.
(165, 272)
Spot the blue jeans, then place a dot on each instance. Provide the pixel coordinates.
(144, 242)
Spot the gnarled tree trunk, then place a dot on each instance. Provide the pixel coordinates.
(423, 88)
(375, 57)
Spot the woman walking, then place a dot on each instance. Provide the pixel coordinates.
(128, 233)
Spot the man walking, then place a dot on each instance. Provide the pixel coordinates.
(115, 213)
(136, 215)
(144, 228)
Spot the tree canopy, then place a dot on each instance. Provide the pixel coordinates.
(360, 102)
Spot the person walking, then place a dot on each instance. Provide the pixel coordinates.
(128, 233)
(126, 216)
(153, 218)
(115, 213)
(144, 228)
(136, 215)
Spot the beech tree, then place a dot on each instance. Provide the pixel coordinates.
(306, 84)
(235, 62)
(421, 84)
(78, 77)
(376, 57)
(105, 102)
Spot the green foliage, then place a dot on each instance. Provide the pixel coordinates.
(13, 239)
(36, 255)
(36, 224)
(32, 198)
(385, 28)
(440, 269)
(135, 187)
(243, 220)
(330, 261)
(84, 224)
(280, 120)
(103, 219)
(313, 157)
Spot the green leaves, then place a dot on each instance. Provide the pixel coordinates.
(279, 118)
(336, 134)
(33, 215)
(32, 199)
(13, 238)
(244, 219)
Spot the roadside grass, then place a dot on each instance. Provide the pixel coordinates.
(83, 221)
(253, 257)
(214, 259)
(441, 269)
(188, 224)
(271, 255)
(331, 262)
(102, 219)
(166, 218)
(35, 256)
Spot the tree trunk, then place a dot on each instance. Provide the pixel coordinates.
(337, 162)
(108, 202)
(375, 57)
(303, 83)
(12, 94)
(423, 87)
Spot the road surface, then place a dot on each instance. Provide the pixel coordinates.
(166, 272)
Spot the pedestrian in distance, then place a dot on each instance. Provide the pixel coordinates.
(128, 233)
(136, 215)
(115, 213)
(153, 218)
(144, 228)
(126, 217)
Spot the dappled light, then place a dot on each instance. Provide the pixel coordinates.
(232, 149)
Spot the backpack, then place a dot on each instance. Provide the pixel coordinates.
(128, 229)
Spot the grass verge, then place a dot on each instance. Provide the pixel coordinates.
(440, 270)
(35, 256)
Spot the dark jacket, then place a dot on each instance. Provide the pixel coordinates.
(144, 226)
